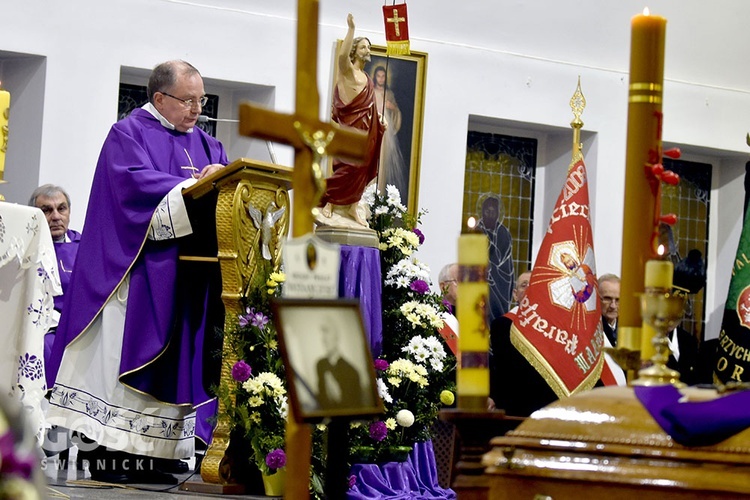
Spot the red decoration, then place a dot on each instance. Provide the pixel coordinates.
(396, 29)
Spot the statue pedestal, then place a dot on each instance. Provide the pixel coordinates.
(361, 237)
(604, 444)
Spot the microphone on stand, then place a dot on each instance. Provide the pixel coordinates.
(205, 119)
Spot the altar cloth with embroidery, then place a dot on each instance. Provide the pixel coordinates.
(29, 281)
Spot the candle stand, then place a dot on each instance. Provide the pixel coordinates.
(663, 311)
(475, 429)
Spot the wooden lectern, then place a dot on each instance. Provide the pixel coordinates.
(242, 187)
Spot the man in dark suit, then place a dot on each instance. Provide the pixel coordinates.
(683, 355)
(515, 385)
(338, 381)
(609, 295)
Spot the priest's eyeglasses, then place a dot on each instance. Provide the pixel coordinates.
(189, 103)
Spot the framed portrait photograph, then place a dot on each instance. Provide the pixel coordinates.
(328, 362)
(399, 92)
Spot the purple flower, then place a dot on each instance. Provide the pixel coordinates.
(419, 234)
(381, 364)
(276, 459)
(378, 431)
(245, 318)
(256, 319)
(420, 286)
(352, 481)
(259, 320)
(241, 371)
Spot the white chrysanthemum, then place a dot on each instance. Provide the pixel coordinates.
(369, 194)
(421, 356)
(437, 365)
(402, 282)
(283, 406)
(393, 196)
(405, 418)
(416, 343)
(383, 391)
(265, 383)
(381, 210)
(435, 347)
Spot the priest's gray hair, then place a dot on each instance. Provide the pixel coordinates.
(445, 273)
(608, 277)
(355, 42)
(164, 76)
(48, 190)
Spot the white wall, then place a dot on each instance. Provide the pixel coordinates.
(514, 62)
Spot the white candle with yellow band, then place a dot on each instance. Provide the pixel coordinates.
(4, 116)
(473, 378)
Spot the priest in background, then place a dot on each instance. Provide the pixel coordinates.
(54, 203)
(126, 366)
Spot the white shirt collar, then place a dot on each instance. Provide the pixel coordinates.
(674, 345)
(155, 113)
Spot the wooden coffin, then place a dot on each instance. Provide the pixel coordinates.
(604, 444)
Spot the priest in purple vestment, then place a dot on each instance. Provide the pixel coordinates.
(126, 367)
(54, 202)
(354, 106)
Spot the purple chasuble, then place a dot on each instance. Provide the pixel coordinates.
(66, 252)
(140, 162)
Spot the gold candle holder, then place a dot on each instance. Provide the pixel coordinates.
(663, 311)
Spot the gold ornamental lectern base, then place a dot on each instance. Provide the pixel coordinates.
(240, 189)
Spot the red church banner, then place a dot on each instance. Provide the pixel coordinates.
(396, 29)
(558, 325)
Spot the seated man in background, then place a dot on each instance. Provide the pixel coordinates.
(54, 202)
(515, 385)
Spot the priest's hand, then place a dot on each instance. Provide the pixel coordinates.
(208, 170)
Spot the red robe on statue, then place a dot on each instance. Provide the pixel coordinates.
(348, 181)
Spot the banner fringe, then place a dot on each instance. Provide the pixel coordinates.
(401, 48)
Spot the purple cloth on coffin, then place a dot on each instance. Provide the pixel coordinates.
(140, 162)
(359, 277)
(698, 423)
(415, 478)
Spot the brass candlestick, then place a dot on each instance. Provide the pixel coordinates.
(662, 310)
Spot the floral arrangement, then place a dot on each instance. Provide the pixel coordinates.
(259, 409)
(416, 371)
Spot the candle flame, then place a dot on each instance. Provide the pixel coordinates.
(660, 250)
(646, 11)
(471, 223)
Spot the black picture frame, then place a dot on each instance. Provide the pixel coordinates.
(319, 389)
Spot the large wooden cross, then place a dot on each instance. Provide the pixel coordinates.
(311, 139)
(304, 126)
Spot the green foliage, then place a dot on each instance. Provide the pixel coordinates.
(416, 366)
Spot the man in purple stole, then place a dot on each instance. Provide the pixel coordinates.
(126, 366)
(54, 203)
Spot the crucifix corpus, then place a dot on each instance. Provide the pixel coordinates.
(312, 139)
